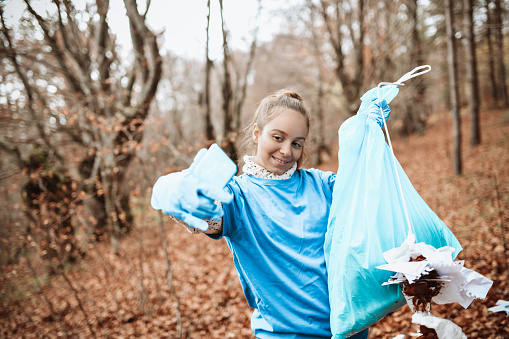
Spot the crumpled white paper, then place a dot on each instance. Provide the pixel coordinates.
(460, 284)
(502, 306)
(445, 329)
(411, 249)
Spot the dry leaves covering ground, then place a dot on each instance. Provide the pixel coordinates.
(131, 295)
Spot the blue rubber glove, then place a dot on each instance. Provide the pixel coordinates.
(374, 111)
(188, 198)
(386, 92)
(371, 104)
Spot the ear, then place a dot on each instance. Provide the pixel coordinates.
(256, 133)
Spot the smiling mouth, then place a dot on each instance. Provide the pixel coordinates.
(282, 162)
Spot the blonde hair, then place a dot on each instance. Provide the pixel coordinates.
(268, 109)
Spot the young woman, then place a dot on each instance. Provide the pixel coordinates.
(274, 219)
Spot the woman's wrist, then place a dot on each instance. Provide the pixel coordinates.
(215, 226)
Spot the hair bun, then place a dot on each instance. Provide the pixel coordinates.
(287, 93)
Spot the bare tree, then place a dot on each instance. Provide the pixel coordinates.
(491, 52)
(499, 40)
(453, 85)
(475, 130)
(380, 31)
(415, 112)
(98, 105)
(177, 122)
(233, 97)
(227, 95)
(47, 192)
(241, 76)
(319, 139)
(205, 101)
(349, 14)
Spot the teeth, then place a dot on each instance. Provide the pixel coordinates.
(281, 161)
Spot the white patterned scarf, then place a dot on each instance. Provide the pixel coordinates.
(252, 168)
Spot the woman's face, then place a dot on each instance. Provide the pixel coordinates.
(280, 143)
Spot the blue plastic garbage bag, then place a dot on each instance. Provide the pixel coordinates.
(367, 218)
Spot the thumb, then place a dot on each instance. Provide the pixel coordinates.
(195, 222)
(215, 193)
(381, 103)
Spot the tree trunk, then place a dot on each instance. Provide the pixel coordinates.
(491, 54)
(475, 132)
(209, 128)
(106, 203)
(453, 85)
(414, 119)
(499, 40)
(321, 146)
(242, 77)
(229, 134)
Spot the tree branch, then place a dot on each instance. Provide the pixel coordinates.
(149, 59)
(51, 40)
(30, 95)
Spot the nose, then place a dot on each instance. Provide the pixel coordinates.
(286, 149)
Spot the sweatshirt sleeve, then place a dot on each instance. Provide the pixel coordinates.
(328, 180)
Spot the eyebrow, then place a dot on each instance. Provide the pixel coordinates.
(283, 132)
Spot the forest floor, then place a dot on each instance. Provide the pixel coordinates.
(131, 294)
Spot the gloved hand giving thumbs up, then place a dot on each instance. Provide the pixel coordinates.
(190, 194)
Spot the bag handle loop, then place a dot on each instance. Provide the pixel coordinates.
(412, 74)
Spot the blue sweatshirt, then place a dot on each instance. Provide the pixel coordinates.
(275, 230)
